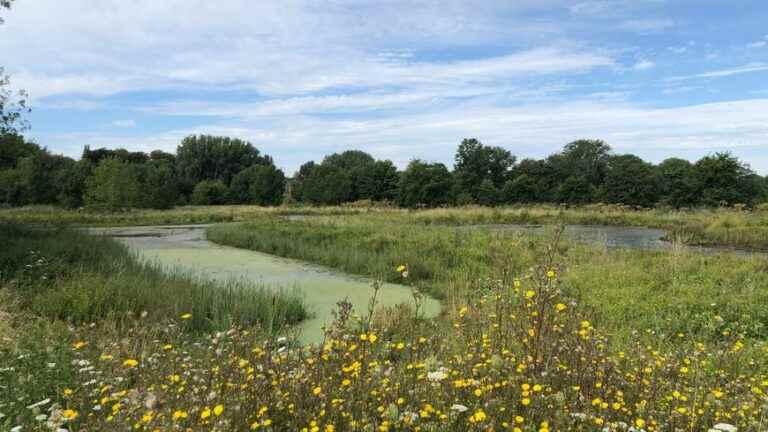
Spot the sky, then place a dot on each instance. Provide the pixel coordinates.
(301, 79)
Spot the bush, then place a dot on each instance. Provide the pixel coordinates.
(210, 192)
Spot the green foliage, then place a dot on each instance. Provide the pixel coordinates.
(630, 180)
(113, 185)
(425, 185)
(158, 184)
(206, 157)
(210, 192)
(476, 163)
(677, 183)
(721, 179)
(259, 184)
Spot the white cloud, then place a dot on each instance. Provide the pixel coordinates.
(124, 123)
(644, 65)
(758, 44)
(647, 25)
(751, 67)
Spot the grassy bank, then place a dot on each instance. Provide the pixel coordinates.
(519, 356)
(708, 227)
(662, 293)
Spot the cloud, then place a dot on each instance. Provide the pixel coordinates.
(751, 67)
(647, 25)
(123, 123)
(644, 65)
(758, 44)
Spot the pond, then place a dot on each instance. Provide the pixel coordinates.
(185, 248)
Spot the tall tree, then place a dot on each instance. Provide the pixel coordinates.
(678, 187)
(475, 163)
(582, 165)
(205, 157)
(425, 184)
(114, 184)
(630, 180)
(722, 179)
(259, 184)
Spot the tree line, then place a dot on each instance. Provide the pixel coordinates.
(211, 170)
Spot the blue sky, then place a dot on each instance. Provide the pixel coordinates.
(399, 79)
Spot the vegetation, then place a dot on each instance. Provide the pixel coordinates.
(528, 348)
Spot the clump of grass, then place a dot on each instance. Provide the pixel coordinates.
(72, 276)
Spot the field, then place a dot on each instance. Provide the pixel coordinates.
(538, 332)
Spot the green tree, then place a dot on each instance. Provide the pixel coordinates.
(114, 184)
(630, 180)
(722, 179)
(259, 184)
(425, 184)
(487, 194)
(327, 184)
(71, 181)
(159, 189)
(576, 189)
(205, 157)
(475, 163)
(580, 168)
(523, 189)
(678, 188)
(210, 192)
(379, 182)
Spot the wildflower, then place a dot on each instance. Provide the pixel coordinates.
(551, 274)
(725, 427)
(560, 307)
(186, 316)
(316, 391)
(530, 294)
(130, 363)
(640, 423)
(179, 415)
(478, 417)
(205, 414)
(459, 408)
(401, 268)
(79, 344)
(69, 414)
(218, 409)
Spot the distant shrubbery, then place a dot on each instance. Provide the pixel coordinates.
(208, 170)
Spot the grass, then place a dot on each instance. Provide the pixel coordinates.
(68, 275)
(707, 227)
(537, 334)
(662, 293)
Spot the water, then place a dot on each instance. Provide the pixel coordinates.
(185, 247)
(613, 237)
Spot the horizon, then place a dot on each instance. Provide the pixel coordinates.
(301, 80)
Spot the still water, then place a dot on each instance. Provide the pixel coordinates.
(185, 248)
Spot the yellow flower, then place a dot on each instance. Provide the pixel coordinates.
(530, 294)
(129, 363)
(316, 391)
(205, 414)
(186, 316)
(179, 415)
(79, 344)
(525, 401)
(218, 409)
(560, 307)
(551, 274)
(69, 414)
(401, 268)
(478, 416)
(168, 347)
(68, 392)
(372, 338)
(640, 423)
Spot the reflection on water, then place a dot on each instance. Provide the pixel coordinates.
(185, 247)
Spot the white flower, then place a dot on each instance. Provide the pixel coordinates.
(16, 429)
(458, 407)
(41, 417)
(724, 427)
(436, 376)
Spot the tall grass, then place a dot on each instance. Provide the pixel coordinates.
(711, 227)
(662, 294)
(72, 276)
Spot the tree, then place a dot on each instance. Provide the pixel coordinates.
(379, 182)
(678, 187)
(523, 189)
(328, 185)
(158, 184)
(475, 162)
(206, 157)
(13, 147)
(357, 165)
(210, 192)
(259, 184)
(487, 194)
(723, 179)
(583, 165)
(630, 180)
(576, 189)
(13, 105)
(114, 184)
(425, 184)
(71, 182)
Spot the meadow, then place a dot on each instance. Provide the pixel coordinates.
(538, 332)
